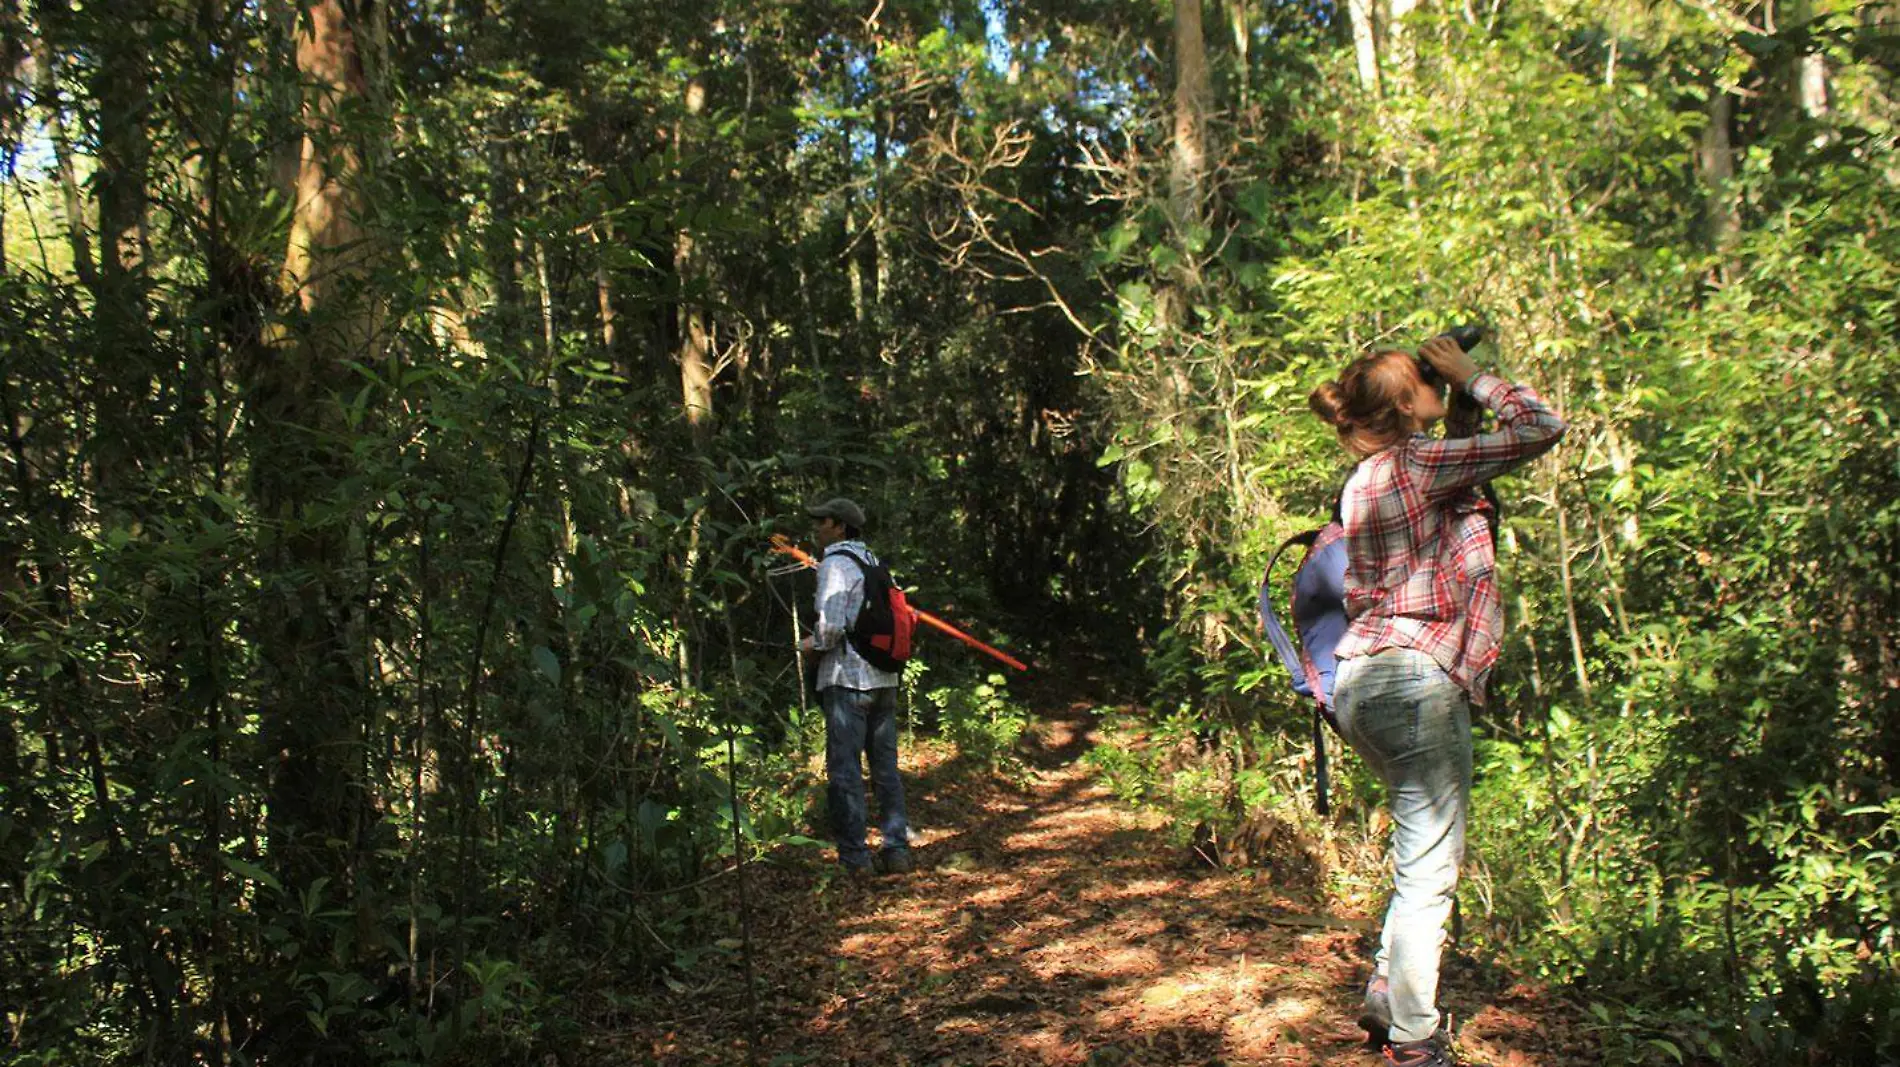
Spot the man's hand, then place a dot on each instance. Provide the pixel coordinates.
(1449, 360)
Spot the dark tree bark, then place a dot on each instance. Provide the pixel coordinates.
(121, 83)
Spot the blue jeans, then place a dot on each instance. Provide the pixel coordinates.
(860, 721)
(1412, 723)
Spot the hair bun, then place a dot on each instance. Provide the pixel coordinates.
(1329, 404)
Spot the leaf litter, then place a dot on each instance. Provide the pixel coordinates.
(1050, 925)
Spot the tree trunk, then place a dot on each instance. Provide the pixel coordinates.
(604, 292)
(853, 263)
(280, 28)
(695, 345)
(301, 464)
(1716, 162)
(1241, 20)
(1188, 165)
(1810, 70)
(119, 84)
(696, 396)
(1400, 49)
(1365, 45)
(1187, 169)
(52, 20)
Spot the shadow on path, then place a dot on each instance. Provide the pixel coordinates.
(1046, 925)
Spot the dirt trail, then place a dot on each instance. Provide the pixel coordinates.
(1049, 925)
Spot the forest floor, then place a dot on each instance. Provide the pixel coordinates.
(1049, 924)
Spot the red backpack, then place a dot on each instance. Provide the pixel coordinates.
(884, 625)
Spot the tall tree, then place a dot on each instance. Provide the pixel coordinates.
(1715, 163)
(1401, 48)
(1188, 158)
(1365, 43)
(695, 335)
(314, 708)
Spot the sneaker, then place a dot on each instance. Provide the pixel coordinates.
(1434, 1051)
(896, 861)
(1375, 1018)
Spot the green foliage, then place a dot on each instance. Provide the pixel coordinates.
(1690, 698)
(980, 720)
(363, 689)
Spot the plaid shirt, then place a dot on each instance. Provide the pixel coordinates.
(1421, 572)
(840, 598)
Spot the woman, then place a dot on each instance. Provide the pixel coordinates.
(1421, 590)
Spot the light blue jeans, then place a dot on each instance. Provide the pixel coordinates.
(860, 722)
(1412, 723)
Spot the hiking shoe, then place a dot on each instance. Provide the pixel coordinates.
(1375, 1018)
(896, 861)
(1434, 1051)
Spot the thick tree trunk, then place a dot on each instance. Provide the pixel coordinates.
(301, 463)
(1188, 161)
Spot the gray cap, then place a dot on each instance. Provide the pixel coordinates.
(839, 508)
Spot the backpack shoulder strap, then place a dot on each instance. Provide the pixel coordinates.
(864, 565)
(1304, 537)
(1270, 619)
(865, 569)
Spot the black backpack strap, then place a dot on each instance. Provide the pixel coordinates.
(1320, 777)
(864, 570)
(1270, 619)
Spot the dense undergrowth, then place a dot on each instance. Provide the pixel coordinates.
(393, 428)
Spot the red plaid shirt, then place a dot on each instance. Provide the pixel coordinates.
(1422, 570)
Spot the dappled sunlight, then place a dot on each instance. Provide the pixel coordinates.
(1048, 1046)
(1048, 927)
(862, 944)
(1264, 1031)
(1058, 839)
(1180, 997)
(1091, 959)
(1124, 892)
(994, 896)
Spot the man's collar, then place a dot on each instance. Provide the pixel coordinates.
(848, 543)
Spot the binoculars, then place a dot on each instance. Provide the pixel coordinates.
(1467, 338)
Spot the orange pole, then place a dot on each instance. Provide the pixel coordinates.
(781, 543)
(925, 616)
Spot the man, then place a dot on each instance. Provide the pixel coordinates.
(860, 701)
